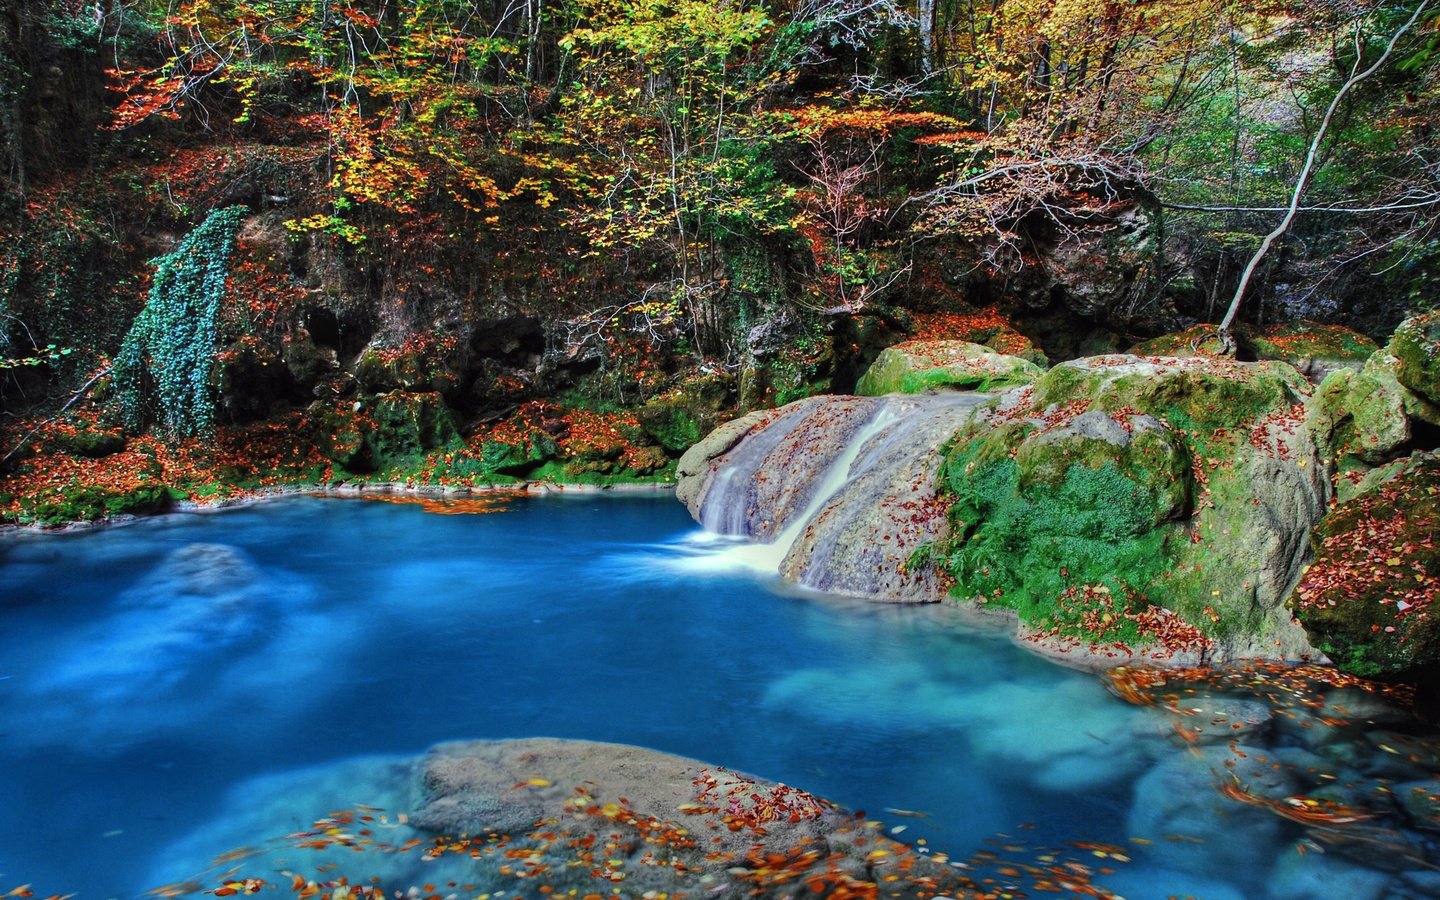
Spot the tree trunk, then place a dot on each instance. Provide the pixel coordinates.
(925, 17)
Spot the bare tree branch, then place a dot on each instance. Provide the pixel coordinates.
(1357, 75)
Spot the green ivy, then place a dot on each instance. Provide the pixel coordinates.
(168, 358)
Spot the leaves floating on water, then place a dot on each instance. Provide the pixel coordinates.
(489, 502)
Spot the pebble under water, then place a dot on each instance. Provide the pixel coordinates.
(184, 685)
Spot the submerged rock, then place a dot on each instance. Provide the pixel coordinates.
(1190, 824)
(517, 816)
(205, 628)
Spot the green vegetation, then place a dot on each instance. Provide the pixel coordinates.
(1029, 548)
(166, 362)
(917, 366)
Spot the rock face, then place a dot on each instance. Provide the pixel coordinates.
(1416, 348)
(843, 488)
(1386, 409)
(916, 366)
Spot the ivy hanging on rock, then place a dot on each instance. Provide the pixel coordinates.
(164, 368)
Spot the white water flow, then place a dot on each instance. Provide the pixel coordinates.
(727, 551)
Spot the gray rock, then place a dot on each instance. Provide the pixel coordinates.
(1179, 807)
(572, 815)
(1316, 874)
(862, 541)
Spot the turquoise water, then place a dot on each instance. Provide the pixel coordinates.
(150, 674)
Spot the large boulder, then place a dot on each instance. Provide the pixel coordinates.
(1366, 599)
(1386, 409)
(1126, 501)
(915, 366)
(547, 817)
(988, 327)
(1416, 348)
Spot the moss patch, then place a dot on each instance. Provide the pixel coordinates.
(1416, 347)
(913, 367)
(78, 502)
(1298, 343)
(1033, 548)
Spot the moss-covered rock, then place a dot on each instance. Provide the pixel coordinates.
(1147, 454)
(1363, 415)
(1415, 346)
(1366, 600)
(1313, 348)
(1194, 394)
(683, 415)
(1161, 502)
(1197, 340)
(987, 327)
(916, 366)
(422, 363)
(407, 426)
(92, 443)
(390, 432)
(91, 503)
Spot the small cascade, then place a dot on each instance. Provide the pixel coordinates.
(772, 473)
(859, 540)
(834, 492)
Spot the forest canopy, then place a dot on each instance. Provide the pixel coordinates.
(694, 170)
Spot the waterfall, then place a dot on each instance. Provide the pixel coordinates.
(836, 492)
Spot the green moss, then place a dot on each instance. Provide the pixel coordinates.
(90, 443)
(91, 503)
(1295, 341)
(567, 473)
(914, 367)
(1291, 342)
(1195, 398)
(407, 426)
(1416, 346)
(1194, 341)
(1364, 415)
(1029, 547)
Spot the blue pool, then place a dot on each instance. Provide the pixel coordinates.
(154, 677)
